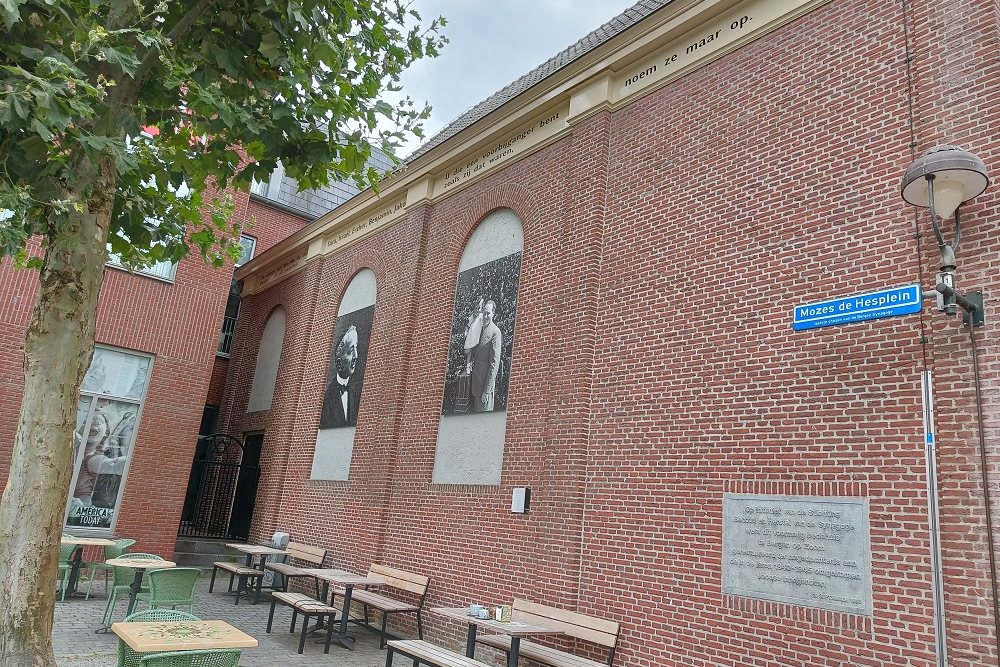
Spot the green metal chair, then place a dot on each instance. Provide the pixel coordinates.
(120, 547)
(122, 584)
(226, 657)
(129, 658)
(173, 588)
(65, 554)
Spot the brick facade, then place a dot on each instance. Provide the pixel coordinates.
(666, 245)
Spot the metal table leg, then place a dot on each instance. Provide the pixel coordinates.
(515, 651)
(470, 643)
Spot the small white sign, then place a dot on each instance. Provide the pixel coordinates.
(520, 499)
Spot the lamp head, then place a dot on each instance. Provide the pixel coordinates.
(957, 176)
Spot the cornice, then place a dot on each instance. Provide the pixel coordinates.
(668, 44)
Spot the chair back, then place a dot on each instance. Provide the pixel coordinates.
(66, 552)
(228, 657)
(127, 656)
(160, 615)
(168, 588)
(125, 575)
(118, 549)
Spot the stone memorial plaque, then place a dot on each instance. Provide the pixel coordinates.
(813, 551)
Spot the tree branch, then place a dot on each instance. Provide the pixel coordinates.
(177, 32)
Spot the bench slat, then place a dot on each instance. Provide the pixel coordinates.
(306, 552)
(237, 569)
(303, 603)
(287, 570)
(433, 654)
(407, 581)
(381, 602)
(581, 626)
(539, 652)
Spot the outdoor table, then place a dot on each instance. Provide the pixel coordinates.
(77, 559)
(515, 629)
(140, 566)
(160, 636)
(252, 550)
(348, 580)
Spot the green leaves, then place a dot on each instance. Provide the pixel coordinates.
(228, 88)
(124, 58)
(9, 11)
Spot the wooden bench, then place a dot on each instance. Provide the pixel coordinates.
(579, 626)
(421, 652)
(307, 606)
(242, 572)
(414, 584)
(304, 553)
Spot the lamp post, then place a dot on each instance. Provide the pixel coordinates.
(941, 180)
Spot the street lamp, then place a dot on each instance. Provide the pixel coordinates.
(941, 180)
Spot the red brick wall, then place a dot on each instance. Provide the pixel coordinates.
(666, 245)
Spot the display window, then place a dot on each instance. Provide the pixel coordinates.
(111, 400)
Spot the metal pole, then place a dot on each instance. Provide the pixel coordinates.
(937, 576)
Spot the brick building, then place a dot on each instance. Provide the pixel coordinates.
(163, 339)
(585, 286)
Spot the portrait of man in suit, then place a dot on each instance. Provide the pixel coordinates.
(343, 391)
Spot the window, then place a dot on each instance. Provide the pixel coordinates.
(161, 270)
(247, 246)
(111, 400)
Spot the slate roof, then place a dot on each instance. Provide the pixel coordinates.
(317, 203)
(615, 26)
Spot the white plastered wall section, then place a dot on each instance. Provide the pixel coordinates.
(265, 373)
(470, 446)
(335, 446)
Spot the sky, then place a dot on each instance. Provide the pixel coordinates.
(492, 43)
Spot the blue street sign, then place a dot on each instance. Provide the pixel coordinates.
(858, 308)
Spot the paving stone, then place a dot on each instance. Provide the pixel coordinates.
(77, 645)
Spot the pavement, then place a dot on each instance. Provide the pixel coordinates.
(77, 645)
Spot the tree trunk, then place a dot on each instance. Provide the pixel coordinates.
(57, 352)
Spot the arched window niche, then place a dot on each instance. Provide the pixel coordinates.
(265, 373)
(345, 379)
(470, 441)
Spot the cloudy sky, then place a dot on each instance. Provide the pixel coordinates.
(492, 43)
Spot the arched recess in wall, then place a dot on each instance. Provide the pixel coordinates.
(470, 441)
(265, 373)
(344, 381)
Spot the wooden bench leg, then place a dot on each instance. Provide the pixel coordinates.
(231, 575)
(211, 584)
(381, 637)
(420, 626)
(388, 657)
(295, 614)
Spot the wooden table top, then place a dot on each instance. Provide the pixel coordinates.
(255, 548)
(344, 577)
(89, 541)
(512, 628)
(181, 636)
(141, 564)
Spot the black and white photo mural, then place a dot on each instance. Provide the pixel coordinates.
(345, 379)
(474, 408)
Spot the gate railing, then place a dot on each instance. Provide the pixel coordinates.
(215, 474)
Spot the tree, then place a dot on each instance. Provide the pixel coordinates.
(231, 86)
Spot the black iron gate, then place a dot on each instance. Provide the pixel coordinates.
(222, 489)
